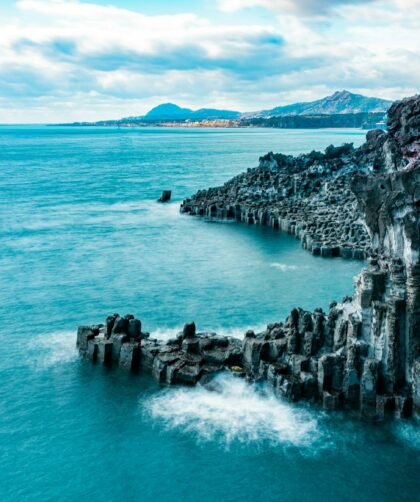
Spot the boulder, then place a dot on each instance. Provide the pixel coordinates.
(166, 196)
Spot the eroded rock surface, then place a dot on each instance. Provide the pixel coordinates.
(364, 353)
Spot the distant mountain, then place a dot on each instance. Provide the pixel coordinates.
(341, 102)
(338, 103)
(169, 111)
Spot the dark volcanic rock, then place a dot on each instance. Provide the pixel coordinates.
(364, 353)
(166, 196)
(189, 330)
(308, 196)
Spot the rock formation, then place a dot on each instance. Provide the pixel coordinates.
(308, 196)
(166, 196)
(364, 353)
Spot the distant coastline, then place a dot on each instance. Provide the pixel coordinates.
(342, 109)
(373, 120)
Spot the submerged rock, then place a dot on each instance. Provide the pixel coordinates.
(166, 196)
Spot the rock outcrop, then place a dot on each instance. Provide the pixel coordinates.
(308, 196)
(166, 196)
(363, 354)
(185, 359)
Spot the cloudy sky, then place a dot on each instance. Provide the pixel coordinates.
(63, 60)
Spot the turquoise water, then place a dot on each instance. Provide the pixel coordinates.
(81, 237)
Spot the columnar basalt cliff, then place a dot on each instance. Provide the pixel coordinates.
(364, 353)
(308, 196)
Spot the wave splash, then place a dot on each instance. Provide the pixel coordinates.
(283, 267)
(119, 214)
(235, 412)
(50, 349)
(166, 334)
(408, 432)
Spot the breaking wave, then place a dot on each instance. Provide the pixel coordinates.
(408, 432)
(235, 411)
(283, 267)
(49, 349)
(121, 213)
(168, 333)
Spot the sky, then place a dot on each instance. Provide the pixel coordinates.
(68, 60)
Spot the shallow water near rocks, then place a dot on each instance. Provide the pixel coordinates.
(81, 237)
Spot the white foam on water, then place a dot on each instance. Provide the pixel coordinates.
(122, 213)
(283, 267)
(50, 349)
(160, 211)
(234, 411)
(168, 333)
(165, 334)
(135, 212)
(240, 332)
(408, 432)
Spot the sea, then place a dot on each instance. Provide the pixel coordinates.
(82, 237)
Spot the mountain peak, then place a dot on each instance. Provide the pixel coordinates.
(165, 110)
(171, 111)
(343, 93)
(166, 106)
(339, 102)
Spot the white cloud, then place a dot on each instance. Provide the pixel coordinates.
(96, 61)
(323, 9)
(98, 28)
(306, 7)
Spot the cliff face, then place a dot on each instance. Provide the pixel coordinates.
(397, 148)
(364, 353)
(390, 203)
(308, 196)
(373, 340)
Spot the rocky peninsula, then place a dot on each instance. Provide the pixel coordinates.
(363, 355)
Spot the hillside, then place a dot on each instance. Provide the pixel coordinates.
(170, 111)
(319, 121)
(338, 103)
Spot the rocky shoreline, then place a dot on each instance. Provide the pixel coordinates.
(308, 196)
(363, 354)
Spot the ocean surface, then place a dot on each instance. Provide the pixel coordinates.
(81, 236)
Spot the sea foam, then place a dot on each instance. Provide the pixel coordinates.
(235, 411)
(50, 349)
(408, 432)
(237, 332)
(283, 267)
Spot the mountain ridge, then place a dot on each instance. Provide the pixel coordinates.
(340, 102)
(337, 103)
(171, 111)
